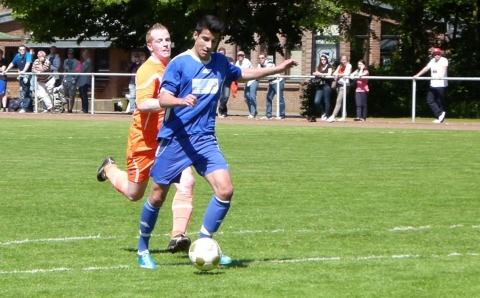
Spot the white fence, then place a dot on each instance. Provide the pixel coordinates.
(414, 88)
(286, 77)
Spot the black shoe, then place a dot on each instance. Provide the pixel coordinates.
(179, 243)
(357, 119)
(101, 170)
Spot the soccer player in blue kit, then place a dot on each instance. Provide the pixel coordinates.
(190, 90)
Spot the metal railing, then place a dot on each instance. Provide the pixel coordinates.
(92, 81)
(285, 77)
(344, 109)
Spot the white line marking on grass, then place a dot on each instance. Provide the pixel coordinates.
(305, 260)
(56, 239)
(318, 259)
(106, 268)
(410, 228)
(456, 226)
(33, 271)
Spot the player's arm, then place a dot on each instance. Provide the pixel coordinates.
(149, 105)
(256, 73)
(424, 70)
(168, 100)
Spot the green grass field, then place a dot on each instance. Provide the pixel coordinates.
(317, 212)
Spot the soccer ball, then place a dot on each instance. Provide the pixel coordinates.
(205, 254)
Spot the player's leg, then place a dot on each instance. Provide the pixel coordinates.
(219, 205)
(182, 207)
(148, 219)
(133, 182)
(212, 165)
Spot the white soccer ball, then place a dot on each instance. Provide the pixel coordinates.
(205, 254)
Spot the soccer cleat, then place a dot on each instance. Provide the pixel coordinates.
(145, 260)
(225, 260)
(179, 243)
(441, 117)
(101, 176)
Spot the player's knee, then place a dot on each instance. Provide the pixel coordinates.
(133, 197)
(225, 193)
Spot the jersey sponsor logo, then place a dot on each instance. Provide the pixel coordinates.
(205, 86)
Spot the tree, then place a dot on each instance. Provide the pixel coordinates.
(126, 22)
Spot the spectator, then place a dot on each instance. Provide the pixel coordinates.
(83, 82)
(133, 66)
(32, 78)
(45, 80)
(324, 89)
(3, 81)
(69, 86)
(250, 89)
(436, 93)
(22, 61)
(222, 104)
(342, 83)
(361, 92)
(272, 89)
(55, 61)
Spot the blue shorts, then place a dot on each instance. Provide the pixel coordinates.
(3, 87)
(175, 155)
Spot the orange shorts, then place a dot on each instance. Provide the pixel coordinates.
(140, 155)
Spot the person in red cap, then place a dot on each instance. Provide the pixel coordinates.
(436, 94)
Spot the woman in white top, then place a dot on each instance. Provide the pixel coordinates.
(341, 77)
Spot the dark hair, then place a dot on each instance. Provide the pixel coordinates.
(212, 23)
(363, 62)
(221, 49)
(1, 51)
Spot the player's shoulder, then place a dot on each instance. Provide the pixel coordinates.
(187, 55)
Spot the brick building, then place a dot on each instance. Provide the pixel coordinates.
(374, 50)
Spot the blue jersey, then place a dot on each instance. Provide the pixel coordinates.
(187, 74)
(20, 61)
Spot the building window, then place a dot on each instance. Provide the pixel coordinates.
(102, 64)
(389, 42)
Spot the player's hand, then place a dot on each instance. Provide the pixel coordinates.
(189, 101)
(288, 63)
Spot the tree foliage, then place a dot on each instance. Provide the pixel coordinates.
(126, 22)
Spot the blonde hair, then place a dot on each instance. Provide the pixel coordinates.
(41, 53)
(159, 26)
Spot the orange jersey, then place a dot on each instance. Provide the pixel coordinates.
(148, 80)
(142, 138)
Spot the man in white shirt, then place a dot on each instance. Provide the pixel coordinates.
(272, 89)
(436, 94)
(250, 89)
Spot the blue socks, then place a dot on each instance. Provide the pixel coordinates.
(148, 218)
(214, 216)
